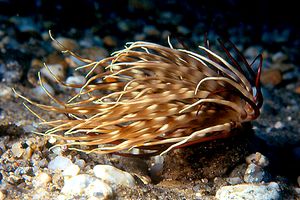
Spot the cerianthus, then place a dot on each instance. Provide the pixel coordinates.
(157, 98)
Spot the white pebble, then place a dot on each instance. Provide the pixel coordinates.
(55, 69)
(86, 184)
(2, 195)
(113, 175)
(60, 163)
(250, 192)
(52, 140)
(41, 180)
(17, 149)
(80, 163)
(57, 150)
(71, 170)
(278, 125)
(40, 92)
(99, 189)
(79, 80)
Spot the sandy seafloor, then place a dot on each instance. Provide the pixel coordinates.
(96, 29)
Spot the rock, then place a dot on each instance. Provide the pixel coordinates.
(68, 43)
(251, 52)
(71, 170)
(283, 67)
(99, 189)
(80, 163)
(41, 180)
(56, 69)
(57, 150)
(123, 26)
(298, 180)
(59, 163)
(5, 92)
(297, 90)
(257, 159)
(110, 41)
(156, 168)
(78, 80)
(278, 125)
(2, 114)
(41, 93)
(297, 191)
(234, 180)
(25, 24)
(11, 71)
(183, 30)
(271, 77)
(254, 174)
(86, 184)
(113, 175)
(139, 36)
(17, 149)
(94, 53)
(250, 192)
(2, 195)
(279, 57)
(151, 31)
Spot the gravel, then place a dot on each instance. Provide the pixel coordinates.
(261, 162)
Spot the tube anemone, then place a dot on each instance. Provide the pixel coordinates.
(156, 98)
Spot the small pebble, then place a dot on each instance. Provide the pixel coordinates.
(79, 80)
(156, 168)
(123, 26)
(2, 195)
(59, 163)
(2, 114)
(68, 43)
(57, 150)
(17, 149)
(297, 191)
(11, 72)
(297, 90)
(80, 163)
(278, 125)
(250, 192)
(151, 31)
(110, 41)
(52, 140)
(94, 53)
(271, 77)
(258, 159)
(86, 184)
(113, 175)
(43, 163)
(234, 180)
(55, 69)
(139, 36)
(254, 174)
(279, 57)
(41, 180)
(5, 92)
(40, 92)
(183, 30)
(251, 52)
(71, 170)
